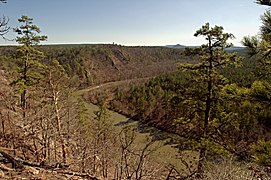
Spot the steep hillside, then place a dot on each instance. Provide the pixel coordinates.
(95, 64)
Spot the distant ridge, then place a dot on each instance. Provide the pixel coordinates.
(235, 48)
(179, 46)
(176, 46)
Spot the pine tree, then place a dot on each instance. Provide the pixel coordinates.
(28, 57)
(264, 2)
(212, 57)
(260, 47)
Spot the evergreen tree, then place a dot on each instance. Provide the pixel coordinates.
(260, 46)
(264, 2)
(212, 57)
(28, 57)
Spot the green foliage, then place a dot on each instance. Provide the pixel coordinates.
(212, 54)
(101, 120)
(28, 32)
(254, 103)
(207, 73)
(262, 152)
(261, 88)
(260, 47)
(29, 67)
(239, 118)
(262, 91)
(213, 57)
(266, 26)
(252, 43)
(264, 2)
(236, 75)
(84, 121)
(177, 103)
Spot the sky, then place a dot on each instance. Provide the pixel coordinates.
(133, 22)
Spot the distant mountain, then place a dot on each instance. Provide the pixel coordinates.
(177, 46)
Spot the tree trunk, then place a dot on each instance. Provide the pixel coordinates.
(3, 124)
(58, 118)
(202, 152)
(23, 95)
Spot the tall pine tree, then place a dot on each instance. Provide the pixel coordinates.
(28, 57)
(212, 57)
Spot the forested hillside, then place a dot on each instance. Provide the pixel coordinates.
(96, 64)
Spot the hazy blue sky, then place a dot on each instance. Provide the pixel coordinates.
(134, 22)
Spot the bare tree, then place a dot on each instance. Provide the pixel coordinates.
(4, 28)
(135, 160)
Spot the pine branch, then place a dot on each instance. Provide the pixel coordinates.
(264, 2)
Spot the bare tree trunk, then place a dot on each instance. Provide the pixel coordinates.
(49, 149)
(116, 173)
(44, 139)
(36, 152)
(83, 163)
(55, 148)
(95, 153)
(13, 133)
(3, 124)
(58, 118)
(23, 104)
(23, 95)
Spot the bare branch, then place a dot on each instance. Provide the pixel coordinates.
(4, 28)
